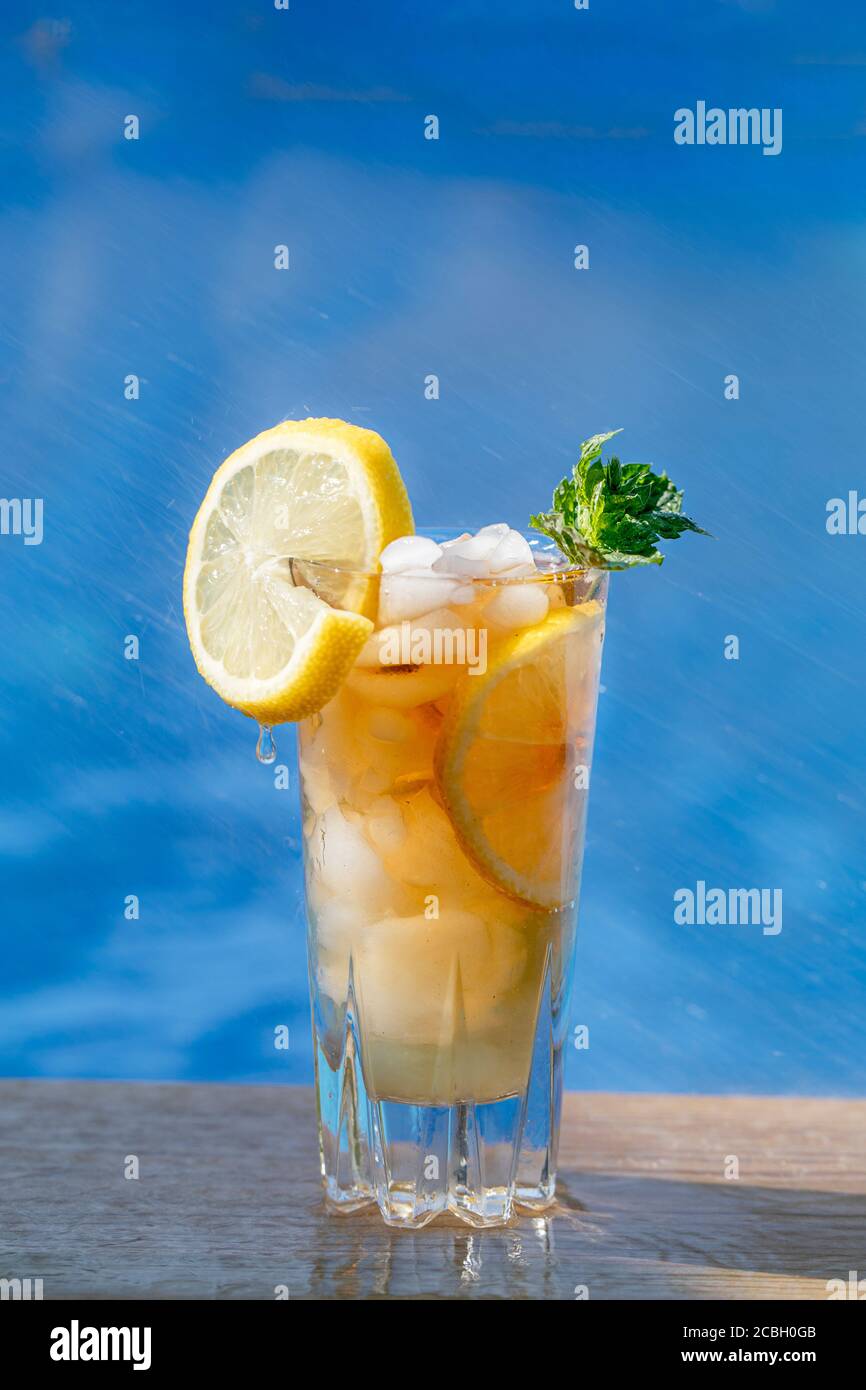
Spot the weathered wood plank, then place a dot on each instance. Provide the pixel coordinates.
(227, 1203)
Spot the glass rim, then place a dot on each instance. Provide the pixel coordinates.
(558, 569)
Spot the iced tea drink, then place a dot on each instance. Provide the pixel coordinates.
(444, 796)
(444, 689)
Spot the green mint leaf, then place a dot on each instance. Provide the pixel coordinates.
(591, 448)
(611, 515)
(565, 501)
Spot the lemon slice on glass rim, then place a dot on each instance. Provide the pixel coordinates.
(315, 490)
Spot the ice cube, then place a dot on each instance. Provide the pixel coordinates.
(338, 922)
(387, 741)
(390, 726)
(498, 529)
(512, 550)
(411, 594)
(409, 553)
(469, 557)
(420, 980)
(345, 865)
(430, 856)
(466, 593)
(318, 792)
(439, 618)
(385, 826)
(518, 572)
(398, 645)
(446, 545)
(555, 596)
(517, 605)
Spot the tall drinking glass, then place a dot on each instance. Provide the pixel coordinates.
(444, 795)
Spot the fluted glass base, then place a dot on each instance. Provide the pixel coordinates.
(477, 1160)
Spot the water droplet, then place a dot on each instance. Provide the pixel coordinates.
(266, 749)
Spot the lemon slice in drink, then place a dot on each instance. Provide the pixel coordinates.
(508, 750)
(306, 489)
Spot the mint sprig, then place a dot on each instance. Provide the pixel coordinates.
(612, 515)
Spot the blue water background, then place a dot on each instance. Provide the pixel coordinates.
(454, 257)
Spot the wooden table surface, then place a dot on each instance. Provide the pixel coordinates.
(227, 1201)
